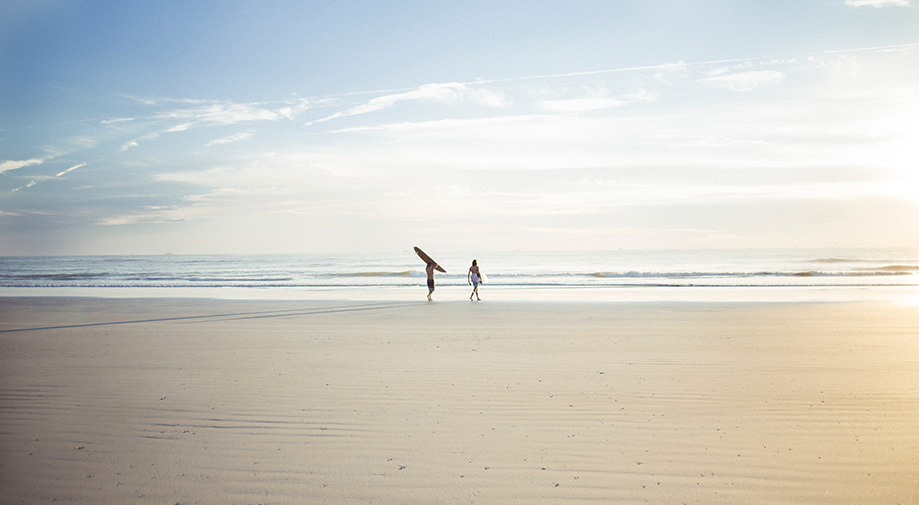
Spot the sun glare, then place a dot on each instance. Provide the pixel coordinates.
(901, 154)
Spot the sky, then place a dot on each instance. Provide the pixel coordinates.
(332, 127)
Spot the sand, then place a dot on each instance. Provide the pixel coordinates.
(232, 402)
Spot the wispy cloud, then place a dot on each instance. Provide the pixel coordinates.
(37, 180)
(148, 215)
(71, 169)
(435, 92)
(744, 81)
(588, 73)
(6, 166)
(737, 75)
(27, 186)
(146, 100)
(229, 139)
(296, 108)
(219, 114)
(128, 145)
(581, 104)
(582, 144)
(877, 3)
(881, 49)
(182, 115)
(116, 120)
(447, 127)
(136, 142)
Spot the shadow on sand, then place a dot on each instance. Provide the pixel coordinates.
(230, 316)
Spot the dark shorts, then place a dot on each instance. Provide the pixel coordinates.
(431, 284)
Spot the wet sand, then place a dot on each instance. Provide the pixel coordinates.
(242, 402)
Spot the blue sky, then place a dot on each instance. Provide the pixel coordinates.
(324, 127)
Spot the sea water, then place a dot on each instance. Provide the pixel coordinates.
(615, 275)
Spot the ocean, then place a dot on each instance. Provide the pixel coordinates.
(613, 275)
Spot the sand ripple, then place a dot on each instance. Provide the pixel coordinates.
(464, 403)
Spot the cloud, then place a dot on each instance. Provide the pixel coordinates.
(179, 128)
(449, 127)
(883, 49)
(727, 69)
(147, 215)
(136, 142)
(6, 166)
(219, 114)
(643, 96)
(296, 108)
(71, 169)
(37, 180)
(488, 98)
(436, 92)
(229, 139)
(587, 73)
(581, 104)
(116, 120)
(877, 3)
(27, 186)
(143, 100)
(744, 81)
(161, 100)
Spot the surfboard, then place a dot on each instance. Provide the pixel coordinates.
(427, 259)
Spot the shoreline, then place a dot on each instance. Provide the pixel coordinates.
(171, 400)
(897, 294)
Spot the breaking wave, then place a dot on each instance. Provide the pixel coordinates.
(406, 273)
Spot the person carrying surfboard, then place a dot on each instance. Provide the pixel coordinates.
(431, 266)
(430, 271)
(473, 277)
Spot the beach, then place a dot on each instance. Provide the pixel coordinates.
(174, 400)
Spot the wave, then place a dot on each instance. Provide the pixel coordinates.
(406, 277)
(853, 260)
(59, 276)
(896, 268)
(831, 268)
(109, 280)
(406, 273)
(843, 260)
(886, 271)
(534, 285)
(233, 279)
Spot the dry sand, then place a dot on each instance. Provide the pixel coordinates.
(229, 402)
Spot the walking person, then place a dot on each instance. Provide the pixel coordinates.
(430, 271)
(473, 277)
